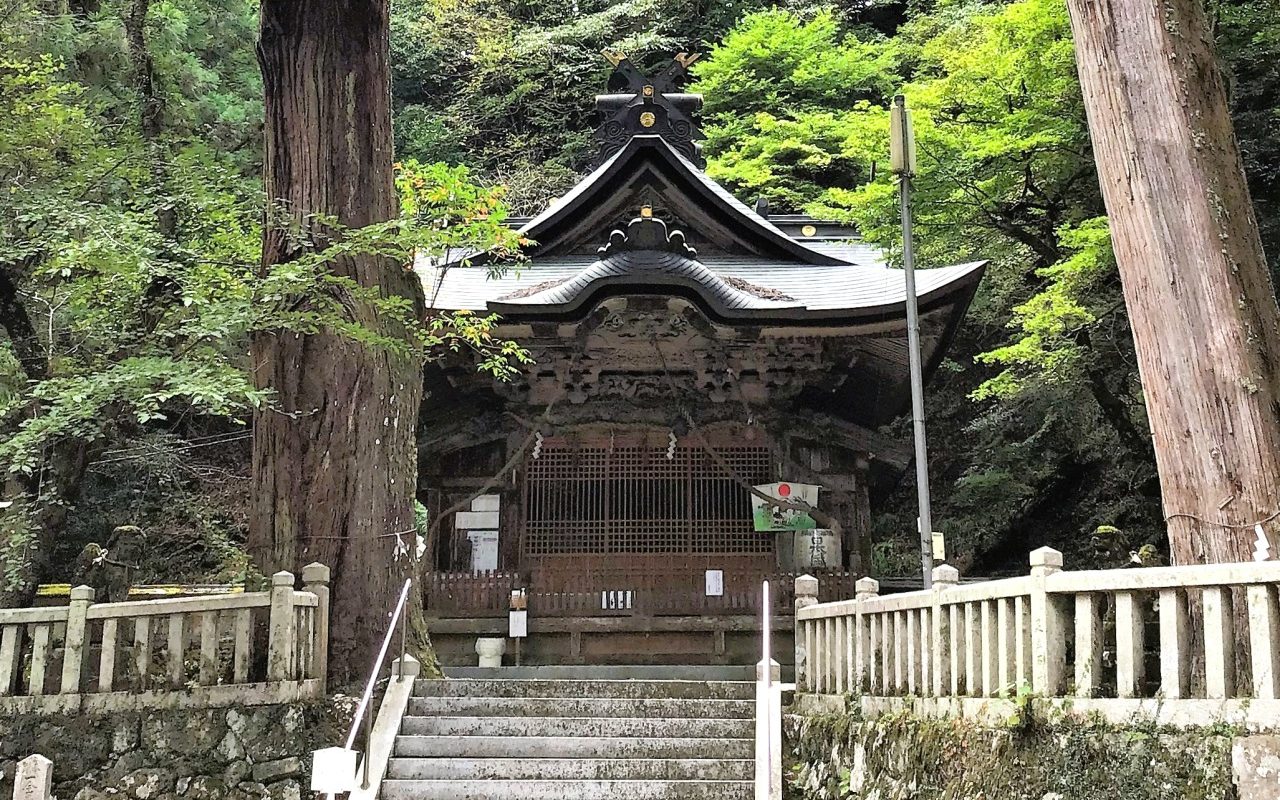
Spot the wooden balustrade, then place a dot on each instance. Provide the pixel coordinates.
(1087, 637)
(449, 595)
(110, 656)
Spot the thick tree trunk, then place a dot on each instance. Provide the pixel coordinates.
(1200, 300)
(333, 462)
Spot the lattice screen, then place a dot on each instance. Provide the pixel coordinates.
(634, 499)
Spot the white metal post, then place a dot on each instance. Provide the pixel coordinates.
(903, 162)
(768, 716)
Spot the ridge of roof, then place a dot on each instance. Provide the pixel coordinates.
(770, 236)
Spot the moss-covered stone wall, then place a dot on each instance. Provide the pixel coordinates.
(840, 756)
(254, 753)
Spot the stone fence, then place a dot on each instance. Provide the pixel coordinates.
(105, 657)
(1186, 645)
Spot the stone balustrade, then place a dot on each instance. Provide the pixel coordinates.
(1187, 645)
(186, 652)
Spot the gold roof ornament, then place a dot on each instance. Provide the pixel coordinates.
(614, 57)
(809, 230)
(686, 59)
(647, 119)
(646, 211)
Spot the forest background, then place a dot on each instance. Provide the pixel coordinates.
(131, 210)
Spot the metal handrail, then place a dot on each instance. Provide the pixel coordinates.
(768, 783)
(373, 679)
(764, 748)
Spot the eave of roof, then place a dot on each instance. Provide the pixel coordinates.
(560, 287)
(823, 282)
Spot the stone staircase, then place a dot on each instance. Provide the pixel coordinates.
(547, 739)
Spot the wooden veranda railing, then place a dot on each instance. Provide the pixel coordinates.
(487, 595)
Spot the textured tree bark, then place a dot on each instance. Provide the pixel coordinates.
(333, 462)
(1200, 300)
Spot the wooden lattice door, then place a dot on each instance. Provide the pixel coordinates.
(637, 512)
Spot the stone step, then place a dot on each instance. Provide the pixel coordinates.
(565, 790)
(571, 769)
(473, 687)
(572, 747)
(592, 672)
(617, 726)
(580, 707)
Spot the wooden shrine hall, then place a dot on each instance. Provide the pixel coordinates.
(686, 348)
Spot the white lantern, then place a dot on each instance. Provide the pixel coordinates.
(333, 770)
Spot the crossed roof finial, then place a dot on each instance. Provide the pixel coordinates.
(637, 104)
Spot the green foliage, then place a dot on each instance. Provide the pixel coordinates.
(779, 62)
(1248, 38)
(1036, 423)
(507, 87)
(1050, 348)
(1041, 397)
(135, 255)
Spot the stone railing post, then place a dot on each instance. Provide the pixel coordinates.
(864, 589)
(33, 778)
(283, 629)
(941, 649)
(1048, 626)
(315, 579)
(76, 639)
(806, 595)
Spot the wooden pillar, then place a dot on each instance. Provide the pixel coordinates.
(860, 524)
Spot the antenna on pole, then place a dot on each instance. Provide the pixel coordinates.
(902, 161)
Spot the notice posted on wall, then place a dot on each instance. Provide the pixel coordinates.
(715, 583)
(770, 517)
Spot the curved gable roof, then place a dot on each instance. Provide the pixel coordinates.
(581, 216)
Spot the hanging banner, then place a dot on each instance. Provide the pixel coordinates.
(769, 517)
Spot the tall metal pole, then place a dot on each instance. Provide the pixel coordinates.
(903, 162)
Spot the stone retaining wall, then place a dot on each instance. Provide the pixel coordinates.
(254, 753)
(840, 756)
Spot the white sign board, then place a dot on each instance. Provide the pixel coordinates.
(518, 624)
(715, 583)
(616, 600)
(333, 770)
(484, 550)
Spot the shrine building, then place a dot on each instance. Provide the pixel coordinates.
(687, 348)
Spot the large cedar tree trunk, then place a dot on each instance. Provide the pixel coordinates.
(334, 468)
(1200, 299)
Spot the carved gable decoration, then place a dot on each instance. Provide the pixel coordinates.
(647, 232)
